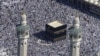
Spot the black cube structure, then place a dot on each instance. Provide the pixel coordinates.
(55, 31)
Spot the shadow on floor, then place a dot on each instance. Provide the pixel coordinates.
(66, 2)
(42, 35)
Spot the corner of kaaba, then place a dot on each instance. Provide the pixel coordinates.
(55, 31)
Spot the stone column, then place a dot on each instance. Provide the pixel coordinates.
(75, 37)
(23, 35)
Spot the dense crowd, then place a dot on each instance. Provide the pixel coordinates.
(39, 13)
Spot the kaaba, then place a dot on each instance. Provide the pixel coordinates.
(55, 31)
